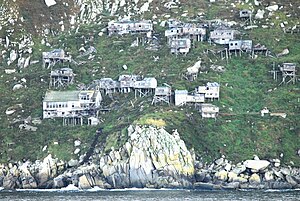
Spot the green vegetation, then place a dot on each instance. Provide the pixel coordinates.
(239, 132)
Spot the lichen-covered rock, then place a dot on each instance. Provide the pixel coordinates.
(151, 153)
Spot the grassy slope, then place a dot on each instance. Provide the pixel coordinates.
(239, 132)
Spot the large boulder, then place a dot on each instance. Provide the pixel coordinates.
(150, 157)
(256, 165)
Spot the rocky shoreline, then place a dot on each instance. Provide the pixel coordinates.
(151, 158)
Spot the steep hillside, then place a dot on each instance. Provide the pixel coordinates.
(27, 29)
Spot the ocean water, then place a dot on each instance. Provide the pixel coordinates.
(146, 194)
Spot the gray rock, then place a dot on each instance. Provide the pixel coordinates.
(60, 182)
(231, 185)
(200, 176)
(285, 171)
(280, 185)
(73, 163)
(291, 180)
(239, 169)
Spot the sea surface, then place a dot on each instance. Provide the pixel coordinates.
(146, 194)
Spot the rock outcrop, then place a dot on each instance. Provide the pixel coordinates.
(151, 158)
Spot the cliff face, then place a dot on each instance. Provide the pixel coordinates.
(151, 157)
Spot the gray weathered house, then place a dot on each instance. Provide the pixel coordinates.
(181, 45)
(187, 30)
(182, 97)
(129, 27)
(54, 56)
(61, 77)
(162, 95)
(240, 45)
(106, 85)
(288, 71)
(127, 82)
(145, 86)
(223, 36)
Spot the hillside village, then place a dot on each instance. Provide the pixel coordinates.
(224, 73)
(86, 104)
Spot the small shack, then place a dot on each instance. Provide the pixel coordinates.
(211, 90)
(54, 56)
(191, 31)
(245, 14)
(288, 71)
(144, 87)
(106, 85)
(223, 36)
(127, 82)
(208, 110)
(182, 97)
(181, 45)
(162, 95)
(61, 77)
(240, 45)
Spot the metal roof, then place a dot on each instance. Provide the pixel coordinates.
(64, 96)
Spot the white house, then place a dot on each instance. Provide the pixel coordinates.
(182, 97)
(208, 110)
(210, 91)
(223, 36)
(70, 103)
(243, 45)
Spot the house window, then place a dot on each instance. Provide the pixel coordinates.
(63, 113)
(73, 105)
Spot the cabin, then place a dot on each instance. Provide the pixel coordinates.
(71, 103)
(129, 27)
(208, 110)
(127, 82)
(244, 14)
(181, 45)
(240, 45)
(223, 36)
(54, 56)
(288, 71)
(191, 31)
(211, 90)
(145, 86)
(106, 85)
(258, 48)
(61, 77)
(182, 97)
(162, 95)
